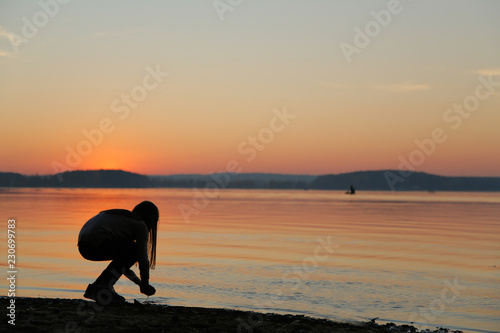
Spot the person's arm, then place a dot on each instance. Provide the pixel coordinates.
(142, 248)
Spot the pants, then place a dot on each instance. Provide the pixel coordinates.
(123, 254)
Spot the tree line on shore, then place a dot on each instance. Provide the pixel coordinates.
(362, 180)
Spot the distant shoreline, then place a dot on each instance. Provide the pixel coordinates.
(339, 192)
(381, 180)
(77, 315)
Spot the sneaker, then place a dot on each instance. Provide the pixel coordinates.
(102, 295)
(89, 291)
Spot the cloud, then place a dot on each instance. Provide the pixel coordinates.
(402, 87)
(4, 54)
(104, 34)
(336, 85)
(6, 34)
(11, 37)
(3, 32)
(117, 33)
(488, 71)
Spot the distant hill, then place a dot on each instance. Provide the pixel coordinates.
(238, 180)
(124, 179)
(89, 179)
(384, 180)
(387, 180)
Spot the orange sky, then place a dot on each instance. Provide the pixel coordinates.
(170, 88)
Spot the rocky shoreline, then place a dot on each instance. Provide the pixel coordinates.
(76, 315)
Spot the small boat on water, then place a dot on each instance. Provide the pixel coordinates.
(351, 190)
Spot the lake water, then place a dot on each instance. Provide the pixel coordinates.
(431, 258)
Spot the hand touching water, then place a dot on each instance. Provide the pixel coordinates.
(148, 289)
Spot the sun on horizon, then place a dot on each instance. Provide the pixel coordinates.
(302, 88)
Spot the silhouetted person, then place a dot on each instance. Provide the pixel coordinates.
(124, 237)
(352, 190)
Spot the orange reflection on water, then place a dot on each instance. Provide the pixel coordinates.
(245, 242)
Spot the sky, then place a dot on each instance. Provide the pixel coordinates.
(300, 87)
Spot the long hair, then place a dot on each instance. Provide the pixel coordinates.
(150, 214)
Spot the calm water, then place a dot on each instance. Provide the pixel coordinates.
(432, 258)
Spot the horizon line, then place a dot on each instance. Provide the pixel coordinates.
(246, 173)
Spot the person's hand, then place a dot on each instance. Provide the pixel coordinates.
(148, 289)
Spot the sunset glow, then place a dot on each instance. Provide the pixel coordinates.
(296, 87)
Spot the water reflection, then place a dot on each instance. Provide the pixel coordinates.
(256, 249)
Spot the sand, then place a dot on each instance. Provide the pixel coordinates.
(78, 315)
